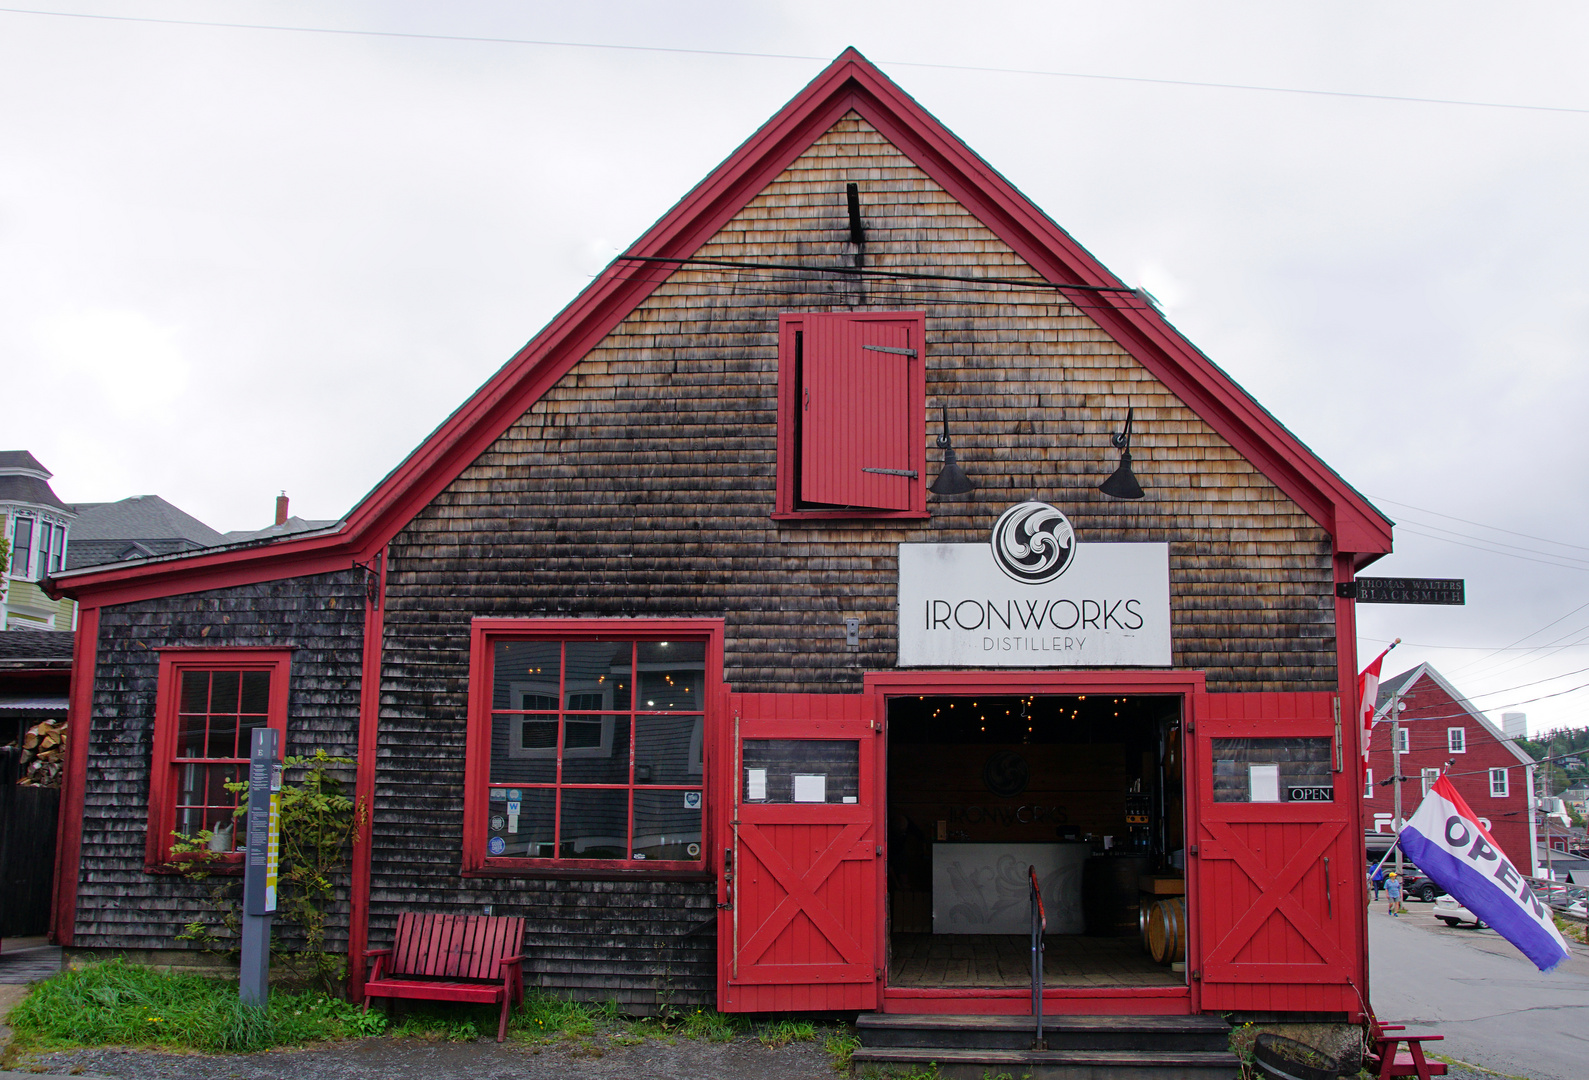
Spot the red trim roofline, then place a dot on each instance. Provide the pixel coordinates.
(850, 82)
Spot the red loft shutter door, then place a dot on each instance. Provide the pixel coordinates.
(798, 915)
(855, 412)
(1276, 886)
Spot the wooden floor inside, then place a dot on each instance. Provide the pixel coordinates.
(1005, 960)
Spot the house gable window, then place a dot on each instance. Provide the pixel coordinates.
(1457, 740)
(207, 705)
(851, 415)
(1368, 783)
(1403, 743)
(1500, 785)
(586, 744)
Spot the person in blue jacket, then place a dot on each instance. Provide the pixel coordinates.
(1377, 879)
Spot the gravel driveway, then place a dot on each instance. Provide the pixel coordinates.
(412, 1059)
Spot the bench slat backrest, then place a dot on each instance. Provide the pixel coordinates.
(455, 946)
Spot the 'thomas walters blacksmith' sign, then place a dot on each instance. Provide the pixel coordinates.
(1034, 597)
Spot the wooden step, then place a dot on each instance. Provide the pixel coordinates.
(1065, 1032)
(976, 1064)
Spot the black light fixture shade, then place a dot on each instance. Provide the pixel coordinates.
(953, 479)
(1121, 483)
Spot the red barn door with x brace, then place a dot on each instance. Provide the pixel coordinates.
(1276, 862)
(797, 896)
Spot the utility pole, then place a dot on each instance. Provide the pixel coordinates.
(1395, 771)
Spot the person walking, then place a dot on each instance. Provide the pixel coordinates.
(1393, 893)
(1377, 879)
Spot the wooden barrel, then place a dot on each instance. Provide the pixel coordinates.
(1167, 930)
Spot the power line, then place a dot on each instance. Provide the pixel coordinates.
(981, 69)
(1493, 551)
(1478, 524)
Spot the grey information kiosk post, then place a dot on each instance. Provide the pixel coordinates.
(259, 868)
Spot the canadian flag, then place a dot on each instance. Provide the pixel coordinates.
(1367, 692)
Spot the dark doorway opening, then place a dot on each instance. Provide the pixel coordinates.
(1087, 789)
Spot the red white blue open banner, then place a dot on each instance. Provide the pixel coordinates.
(1449, 844)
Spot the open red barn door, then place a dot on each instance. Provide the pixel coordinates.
(798, 893)
(1276, 866)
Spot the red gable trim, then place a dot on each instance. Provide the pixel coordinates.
(850, 82)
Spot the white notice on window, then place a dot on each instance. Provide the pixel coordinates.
(811, 787)
(1263, 783)
(755, 784)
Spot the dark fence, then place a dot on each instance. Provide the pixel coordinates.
(27, 850)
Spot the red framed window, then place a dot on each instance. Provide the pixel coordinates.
(852, 432)
(207, 706)
(588, 743)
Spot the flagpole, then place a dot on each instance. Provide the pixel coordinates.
(1395, 772)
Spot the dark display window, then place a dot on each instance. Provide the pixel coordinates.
(1285, 769)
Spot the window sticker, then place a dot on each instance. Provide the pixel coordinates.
(1263, 783)
(810, 787)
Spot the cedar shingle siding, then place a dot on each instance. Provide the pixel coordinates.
(641, 485)
(321, 618)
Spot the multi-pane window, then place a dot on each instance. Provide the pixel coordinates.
(21, 547)
(1429, 778)
(1368, 783)
(596, 750)
(210, 704)
(1500, 786)
(57, 550)
(1457, 740)
(1403, 745)
(37, 547)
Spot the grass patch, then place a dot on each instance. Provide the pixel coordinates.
(841, 1045)
(710, 1025)
(121, 1004)
(784, 1032)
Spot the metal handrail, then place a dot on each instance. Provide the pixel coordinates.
(1039, 928)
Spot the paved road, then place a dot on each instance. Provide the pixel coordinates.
(1493, 1006)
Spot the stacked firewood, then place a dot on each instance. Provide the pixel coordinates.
(43, 754)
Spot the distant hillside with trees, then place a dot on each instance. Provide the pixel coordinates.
(1569, 750)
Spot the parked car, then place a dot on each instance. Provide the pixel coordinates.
(1415, 885)
(1450, 912)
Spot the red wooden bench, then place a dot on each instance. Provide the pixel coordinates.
(1386, 1058)
(452, 958)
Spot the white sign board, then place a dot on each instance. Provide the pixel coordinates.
(1109, 607)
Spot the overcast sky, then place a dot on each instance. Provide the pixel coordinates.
(236, 261)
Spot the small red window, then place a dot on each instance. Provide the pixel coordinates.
(208, 704)
(851, 423)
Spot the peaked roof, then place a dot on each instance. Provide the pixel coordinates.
(850, 83)
(1404, 682)
(141, 517)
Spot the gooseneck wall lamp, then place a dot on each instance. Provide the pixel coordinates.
(953, 479)
(1121, 484)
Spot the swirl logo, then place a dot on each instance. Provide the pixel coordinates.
(1005, 774)
(1033, 543)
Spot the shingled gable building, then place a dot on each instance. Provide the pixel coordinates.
(664, 642)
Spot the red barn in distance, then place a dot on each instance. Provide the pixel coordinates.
(1439, 725)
